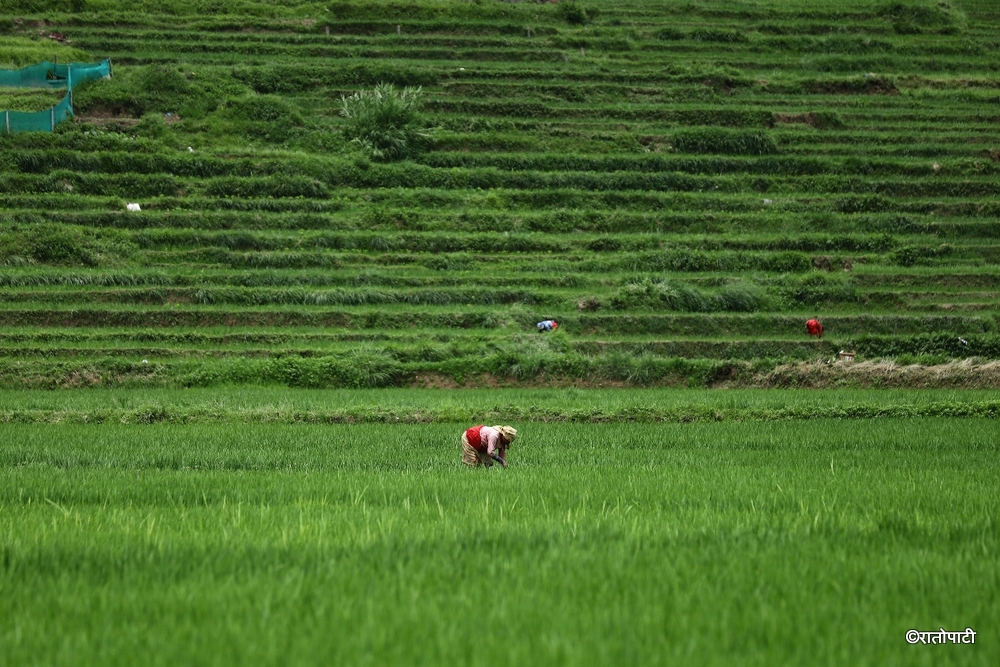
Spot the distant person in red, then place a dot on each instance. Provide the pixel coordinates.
(482, 445)
(814, 328)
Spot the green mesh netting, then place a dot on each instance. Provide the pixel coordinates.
(51, 75)
(32, 76)
(48, 75)
(39, 121)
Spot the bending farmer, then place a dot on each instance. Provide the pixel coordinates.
(482, 445)
(814, 328)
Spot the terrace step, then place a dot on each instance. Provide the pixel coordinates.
(706, 325)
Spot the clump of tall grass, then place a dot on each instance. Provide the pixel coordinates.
(816, 288)
(740, 298)
(365, 366)
(46, 244)
(574, 13)
(152, 126)
(673, 295)
(725, 141)
(661, 294)
(383, 121)
(915, 18)
(716, 35)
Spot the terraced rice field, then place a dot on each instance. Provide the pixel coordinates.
(679, 185)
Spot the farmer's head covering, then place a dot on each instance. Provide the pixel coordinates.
(508, 432)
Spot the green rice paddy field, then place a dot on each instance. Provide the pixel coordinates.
(229, 421)
(216, 528)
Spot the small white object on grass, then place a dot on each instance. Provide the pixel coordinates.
(132, 206)
(768, 202)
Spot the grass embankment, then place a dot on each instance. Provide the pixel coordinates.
(764, 543)
(294, 406)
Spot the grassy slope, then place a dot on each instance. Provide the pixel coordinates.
(576, 173)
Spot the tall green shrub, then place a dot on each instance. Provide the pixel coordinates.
(383, 121)
(56, 244)
(574, 14)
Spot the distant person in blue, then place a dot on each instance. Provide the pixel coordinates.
(548, 325)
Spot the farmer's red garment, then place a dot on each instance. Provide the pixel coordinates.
(472, 435)
(485, 439)
(814, 328)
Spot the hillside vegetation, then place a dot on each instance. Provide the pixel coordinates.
(680, 185)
